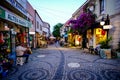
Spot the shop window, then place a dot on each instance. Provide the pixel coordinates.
(40, 27)
(100, 35)
(102, 6)
(21, 37)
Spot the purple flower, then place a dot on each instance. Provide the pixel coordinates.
(84, 20)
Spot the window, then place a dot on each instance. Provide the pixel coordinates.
(37, 24)
(40, 27)
(102, 6)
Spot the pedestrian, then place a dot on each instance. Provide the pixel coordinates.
(61, 42)
(21, 51)
(90, 43)
(84, 43)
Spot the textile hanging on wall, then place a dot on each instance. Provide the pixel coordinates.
(21, 37)
(1, 38)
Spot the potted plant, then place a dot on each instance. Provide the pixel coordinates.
(105, 51)
(118, 50)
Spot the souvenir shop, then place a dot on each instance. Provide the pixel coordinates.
(8, 40)
(98, 34)
(12, 31)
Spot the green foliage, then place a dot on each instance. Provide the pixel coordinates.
(105, 44)
(70, 31)
(56, 30)
(56, 33)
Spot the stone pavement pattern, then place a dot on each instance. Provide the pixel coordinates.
(58, 63)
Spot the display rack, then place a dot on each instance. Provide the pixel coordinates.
(5, 51)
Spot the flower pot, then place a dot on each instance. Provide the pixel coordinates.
(105, 53)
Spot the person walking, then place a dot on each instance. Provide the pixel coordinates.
(90, 43)
(84, 43)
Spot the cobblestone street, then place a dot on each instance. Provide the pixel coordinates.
(59, 39)
(58, 63)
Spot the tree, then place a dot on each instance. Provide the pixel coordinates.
(56, 30)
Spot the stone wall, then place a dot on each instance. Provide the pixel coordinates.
(115, 31)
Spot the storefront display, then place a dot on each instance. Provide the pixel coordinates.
(10, 24)
(100, 35)
(22, 36)
(78, 40)
(1, 38)
(5, 51)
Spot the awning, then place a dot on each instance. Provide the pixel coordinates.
(52, 37)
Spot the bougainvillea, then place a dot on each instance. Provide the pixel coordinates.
(83, 21)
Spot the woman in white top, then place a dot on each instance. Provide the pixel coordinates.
(20, 51)
(90, 43)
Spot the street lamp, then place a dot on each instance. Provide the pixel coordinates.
(102, 22)
(105, 22)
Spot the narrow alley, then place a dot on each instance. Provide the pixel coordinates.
(60, 63)
(59, 40)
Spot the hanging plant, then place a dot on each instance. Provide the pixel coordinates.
(84, 21)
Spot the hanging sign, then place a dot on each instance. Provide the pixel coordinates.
(107, 26)
(2, 13)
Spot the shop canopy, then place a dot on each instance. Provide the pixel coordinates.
(52, 37)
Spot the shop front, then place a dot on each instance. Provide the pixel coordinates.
(32, 39)
(70, 37)
(38, 39)
(74, 39)
(98, 34)
(10, 26)
(7, 46)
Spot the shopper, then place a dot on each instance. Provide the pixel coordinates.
(84, 43)
(21, 51)
(91, 45)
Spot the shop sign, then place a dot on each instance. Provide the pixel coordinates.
(107, 26)
(29, 24)
(15, 4)
(16, 19)
(2, 13)
(31, 32)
